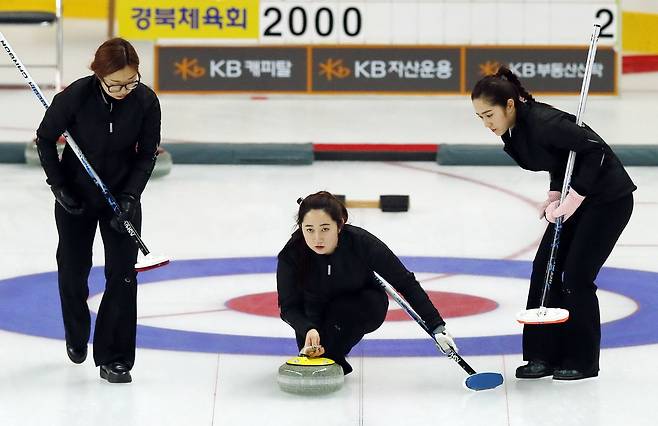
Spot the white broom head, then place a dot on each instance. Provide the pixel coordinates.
(543, 316)
(150, 261)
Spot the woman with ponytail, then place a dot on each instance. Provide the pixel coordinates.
(326, 287)
(595, 211)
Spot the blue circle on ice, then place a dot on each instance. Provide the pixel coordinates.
(30, 305)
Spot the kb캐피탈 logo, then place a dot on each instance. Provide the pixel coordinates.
(189, 68)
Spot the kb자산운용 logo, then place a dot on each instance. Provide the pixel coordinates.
(334, 68)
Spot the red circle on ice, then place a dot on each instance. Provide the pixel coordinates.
(450, 305)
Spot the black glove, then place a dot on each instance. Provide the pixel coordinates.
(68, 201)
(128, 204)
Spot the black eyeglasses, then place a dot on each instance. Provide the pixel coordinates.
(116, 88)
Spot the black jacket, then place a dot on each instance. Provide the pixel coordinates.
(305, 283)
(119, 138)
(541, 140)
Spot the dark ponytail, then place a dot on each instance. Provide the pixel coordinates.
(500, 87)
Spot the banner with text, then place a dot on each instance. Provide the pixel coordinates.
(231, 69)
(422, 70)
(374, 22)
(153, 19)
(555, 70)
(386, 70)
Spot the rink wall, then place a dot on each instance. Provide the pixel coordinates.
(307, 153)
(488, 155)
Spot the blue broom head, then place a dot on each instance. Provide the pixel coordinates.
(484, 381)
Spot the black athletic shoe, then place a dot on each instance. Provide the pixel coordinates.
(573, 374)
(534, 370)
(347, 368)
(78, 356)
(340, 360)
(117, 372)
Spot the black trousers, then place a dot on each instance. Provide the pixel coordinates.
(116, 321)
(346, 320)
(586, 241)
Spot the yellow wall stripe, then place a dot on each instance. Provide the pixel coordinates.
(72, 8)
(639, 32)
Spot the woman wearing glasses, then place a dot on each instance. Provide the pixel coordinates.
(116, 122)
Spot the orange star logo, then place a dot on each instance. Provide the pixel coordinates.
(189, 68)
(334, 68)
(489, 68)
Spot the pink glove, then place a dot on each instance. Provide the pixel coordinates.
(552, 196)
(571, 202)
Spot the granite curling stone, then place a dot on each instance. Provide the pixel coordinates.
(310, 376)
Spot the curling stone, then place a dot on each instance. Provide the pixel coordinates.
(32, 155)
(386, 203)
(163, 163)
(310, 376)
